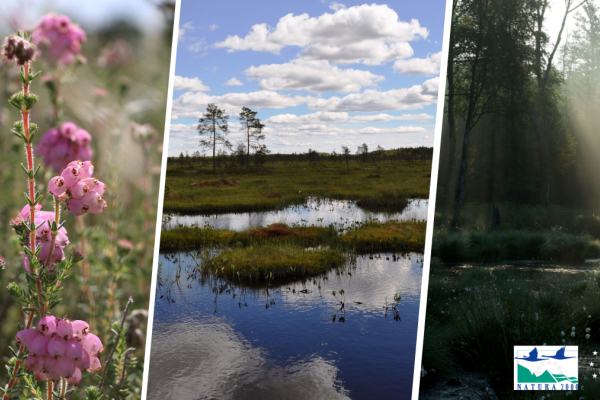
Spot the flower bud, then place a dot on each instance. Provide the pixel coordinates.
(17, 49)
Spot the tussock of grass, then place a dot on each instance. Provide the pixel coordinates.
(374, 237)
(496, 246)
(270, 261)
(292, 182)
(198, 238)
(368, 238)
(383, 201)
(477, 315)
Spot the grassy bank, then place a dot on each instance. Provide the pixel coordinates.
(476, 315)
(503, 245)
(478, 216)
(270, 261)
(201, 190)
(368, 237)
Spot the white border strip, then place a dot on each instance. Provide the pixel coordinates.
(161, 194)
(432, 195)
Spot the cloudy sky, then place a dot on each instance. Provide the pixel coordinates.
(320, 74)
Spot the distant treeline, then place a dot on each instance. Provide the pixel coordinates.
(362, 155)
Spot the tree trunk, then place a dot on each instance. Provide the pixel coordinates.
(248, 153)
(460, 197)
(214, 145)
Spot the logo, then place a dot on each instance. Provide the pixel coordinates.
(546, 368)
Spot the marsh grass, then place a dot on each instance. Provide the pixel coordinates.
(269, 261)
(476, 315)
(364, 238)
(282, 184)
(478, 216)
(502, 245)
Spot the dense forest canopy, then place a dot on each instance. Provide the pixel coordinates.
(521, 110)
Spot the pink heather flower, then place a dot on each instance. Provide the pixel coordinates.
(43, 236)
(2, 262)
(59, 37)
(61, 145)
(17, 49)
(60, 348)
(82, 192)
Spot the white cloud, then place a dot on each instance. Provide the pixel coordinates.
(387, 117)
(319, 116)
(193, 104)
(197, 46)
(213, 27)
(400, 129)
(412, 98)
(189, 84)
(233, 82)
(413, 66)
(303, 130)
(187, 27)
(370, 34)
(416, 97)
(336, 6)
(312, 75)
(181, 130)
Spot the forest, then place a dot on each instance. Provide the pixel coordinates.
(520, 108)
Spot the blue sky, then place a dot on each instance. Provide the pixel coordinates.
(320, 74)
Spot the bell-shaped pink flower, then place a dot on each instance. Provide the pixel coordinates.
(26, 336)
(95, 365)
(71, 176)
(75, 378)
(77, 207)
(31, 363)
(59, 146)
(57, 185)
(74, 350)
(59, 39)
(60, 348)
(95, 185)
(79, 190)
(65, 329)
(91, 344)
(56, 346)
(87, 170)
(39, 376)
(39, 346)
(65, 367)
(47, 325)
(80, 328)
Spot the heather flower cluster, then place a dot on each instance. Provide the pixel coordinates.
(59, 146)
(79, 189)
(57, 350)
(60, 348)
(43, 235)
(60, 37)
(18, 49)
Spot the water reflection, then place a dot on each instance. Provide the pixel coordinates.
(317, 212)
(290, 349)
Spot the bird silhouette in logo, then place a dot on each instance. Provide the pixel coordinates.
(560, 355)
(533, 356)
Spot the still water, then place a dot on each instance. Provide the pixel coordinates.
(284, 344)
(317, 212)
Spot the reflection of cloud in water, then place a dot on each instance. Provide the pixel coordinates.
(318, 212)
(209, 361)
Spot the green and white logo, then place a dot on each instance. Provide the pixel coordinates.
(546, 368)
